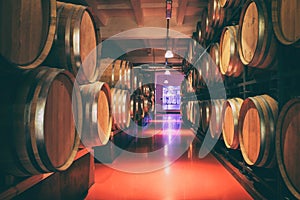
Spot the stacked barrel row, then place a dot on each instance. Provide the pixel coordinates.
(238, 34)
(53, 97)
(242, 33)
(143, 96)
(119, 75)
(254, 126)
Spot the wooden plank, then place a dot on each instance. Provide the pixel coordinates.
(23, 186)
(28, 183)
(181, 11)
(115, 6)
(157, 5)
(136, 5)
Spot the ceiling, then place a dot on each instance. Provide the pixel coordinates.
(117, 16)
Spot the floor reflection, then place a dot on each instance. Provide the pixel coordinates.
(164, 165)
(165, 132)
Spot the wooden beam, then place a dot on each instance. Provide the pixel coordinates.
(181, 11)
(117, 6)
(157, 5)
(136, 5)
(103, 18)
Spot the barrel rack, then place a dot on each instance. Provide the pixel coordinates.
(282, 84)
(70, 184)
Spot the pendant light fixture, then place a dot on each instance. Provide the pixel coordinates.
(169, 53)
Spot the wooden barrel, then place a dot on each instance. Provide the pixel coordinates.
(196, 114)
(140, 114)
(183, 112)
(216, 119)
(196, 78)
(230, 113)
(129, 76)
(190, 53)
(287, 145)
(206, 29)
(97, 118)
(146, 90)
(43, 136)
(189, 112)
(200, 38)
(205, 109)
(134, 109)
(27, 31)
(121, 108)
(230, 63)
(204, 69)
(152, 100)
(189, 79)
(147, 105)
(75, 42)
(135, 82)
(256, 41)
(113, 72)
(192, 112)
(257, 121)
(231, 3)
(285, 16)
(122, 82)
(216, 14)
(214, 52)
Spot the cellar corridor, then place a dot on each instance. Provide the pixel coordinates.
(163, 163)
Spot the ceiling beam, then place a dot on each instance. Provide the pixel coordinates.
(181, 11)
(152, 59)
(157, 5)
(136, 5)
(116, 6)
(103, 18)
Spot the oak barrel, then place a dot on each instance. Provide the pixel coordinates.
(189, 111)
(113, 72)
(129, 76)
(196, 114)
(285, 18)
(43, 136)
(204, 69)
(216, 14)
(27, 31)
(231, 3)
(183, 112)
(200, 39)
(196, 78)
(146, 104)
(257, 121)
(230, 63)
(121, 108)
(216, 120)
(205, 109)
(230, 113)
(206, 29)
(214, 52)
(256, 41)
(134, 108)
(97, 118)
(75, 42)
(287, 145)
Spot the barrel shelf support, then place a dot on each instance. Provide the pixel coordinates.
(25, 187)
